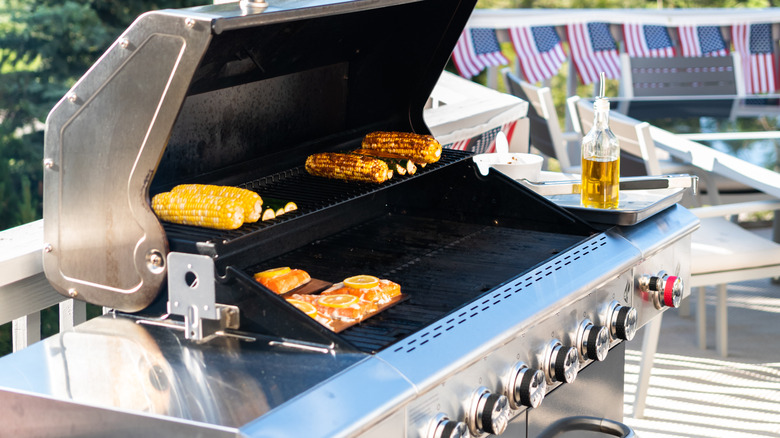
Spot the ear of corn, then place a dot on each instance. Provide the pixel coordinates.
(348, 167)
(416, 147)
(188, 208)
(250, 201)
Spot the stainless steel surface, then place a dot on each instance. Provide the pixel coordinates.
(664, 290)
(488, 412)
(562, 363)
(622, 321)
(115, 363)
(104, 140)
(595, 393)
(573, 187)
(525, 386)
(633, 206)
(261, 387)
(443, 427)
(592, 341)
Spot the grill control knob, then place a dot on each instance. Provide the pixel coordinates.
(443, 427)
(526, 386)
(592, 341)
(622, 321)
(665, 290)
(488, 413)
(561, 363)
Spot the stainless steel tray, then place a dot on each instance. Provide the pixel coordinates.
(634, 206)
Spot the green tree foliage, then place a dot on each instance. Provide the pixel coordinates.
(45, 46)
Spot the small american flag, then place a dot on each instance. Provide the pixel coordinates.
(477, 49)
(593, 51)
(753, 42)
(647, 41)
(485, 142)
(702, 41)
(539, 51)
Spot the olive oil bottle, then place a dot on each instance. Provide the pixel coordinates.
(600, 160)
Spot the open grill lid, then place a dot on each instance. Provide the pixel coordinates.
(208, 93)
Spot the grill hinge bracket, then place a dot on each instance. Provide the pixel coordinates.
(191, 294)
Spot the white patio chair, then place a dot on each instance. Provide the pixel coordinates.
(545, 131)
(722, 252)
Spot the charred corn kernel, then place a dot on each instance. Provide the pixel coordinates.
(348, 167)
(250, 201)
(187, 208)
(401, 164)
(416, 147)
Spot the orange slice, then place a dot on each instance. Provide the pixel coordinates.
(361, 282)
(304, 307)
(338, 300)
(270, 273)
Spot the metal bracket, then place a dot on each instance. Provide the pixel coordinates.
(191, 294)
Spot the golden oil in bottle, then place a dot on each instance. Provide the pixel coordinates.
(600, 182)
(600, 161)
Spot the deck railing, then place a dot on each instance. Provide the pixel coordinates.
(24, 290)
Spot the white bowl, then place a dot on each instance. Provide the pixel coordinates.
(514, 165)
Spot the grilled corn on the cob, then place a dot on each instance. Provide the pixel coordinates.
(348, 167)
(416, 147)
(250, 201)
(189, 208)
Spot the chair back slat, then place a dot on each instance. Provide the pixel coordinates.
(680, 76)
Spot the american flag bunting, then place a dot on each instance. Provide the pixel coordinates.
(647, 41)
(477, 49)
(754, 44)
(593, 51)
(539, 51)
(702, 41)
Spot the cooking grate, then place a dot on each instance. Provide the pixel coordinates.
(310, 193)
(441, 265)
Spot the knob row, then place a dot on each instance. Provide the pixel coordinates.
(526, 386)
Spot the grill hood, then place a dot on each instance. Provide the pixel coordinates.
(210, 93)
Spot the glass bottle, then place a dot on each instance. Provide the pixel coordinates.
(600, 161)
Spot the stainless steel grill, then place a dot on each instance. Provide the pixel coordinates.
(510, 298)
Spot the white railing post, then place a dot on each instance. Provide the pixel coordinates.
(26, 330)
(72, 313)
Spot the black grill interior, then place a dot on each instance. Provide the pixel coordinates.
(311, 194)
(447, 235)
(441, 265)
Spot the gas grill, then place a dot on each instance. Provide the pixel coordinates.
(508, 297)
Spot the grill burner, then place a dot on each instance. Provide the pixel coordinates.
(422, 254)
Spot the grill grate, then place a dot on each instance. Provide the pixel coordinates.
(310, 193)
(441, 265)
